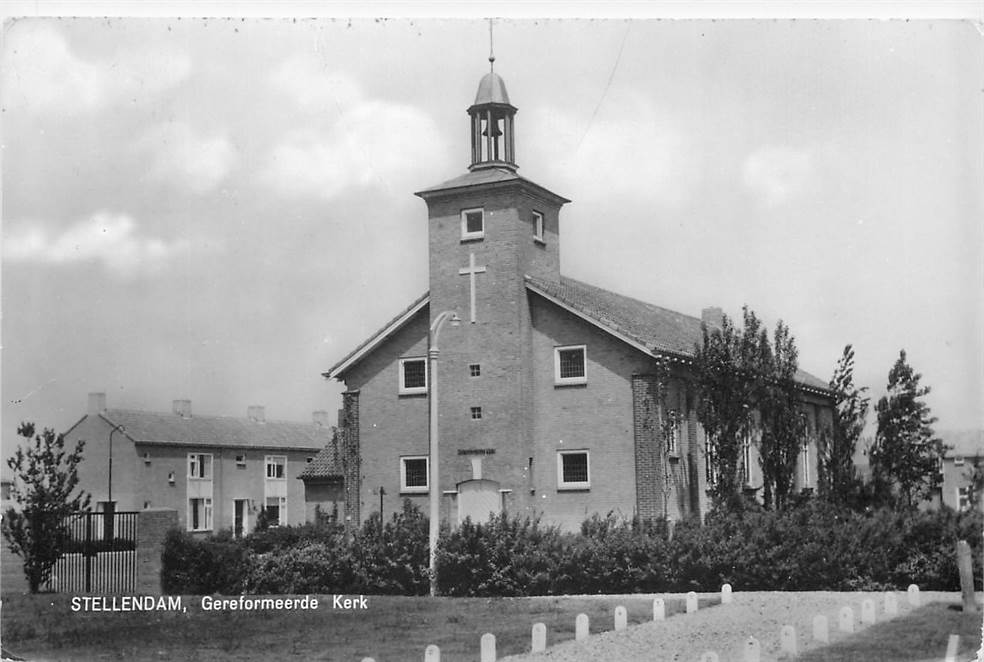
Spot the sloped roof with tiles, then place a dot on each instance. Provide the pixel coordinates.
(325, 465)
(219, 431)
(486, 176)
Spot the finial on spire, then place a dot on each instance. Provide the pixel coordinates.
(491, 52)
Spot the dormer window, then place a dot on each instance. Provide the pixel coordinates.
(472, 224)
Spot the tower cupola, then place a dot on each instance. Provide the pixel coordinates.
(492, 142)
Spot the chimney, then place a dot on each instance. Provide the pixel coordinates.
(320, 418)
(256, 414)
(712, 317)
(97, 403)
(182, 408)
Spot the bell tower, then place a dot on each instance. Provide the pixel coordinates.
(492, 142)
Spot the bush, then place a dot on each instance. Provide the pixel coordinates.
(202, 566)
(311, 567)
(393, 559)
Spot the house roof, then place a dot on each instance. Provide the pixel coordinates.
(650, 328)
(219, 431)
(325, 465)
(487, 176)
(965, 443)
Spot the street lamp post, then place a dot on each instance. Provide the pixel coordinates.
(432, 354)
(110, 510)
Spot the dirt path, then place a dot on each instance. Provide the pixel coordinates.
(725, 628)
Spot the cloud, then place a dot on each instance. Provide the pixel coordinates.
(775, 174)
(361, 143)
(313, 88)
(106, 238)
(630, 148)
(190, 160)
(41, 73)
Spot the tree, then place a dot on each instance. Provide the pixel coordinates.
(905, 457)
(783, 424)
(838, 478)
(45, 478)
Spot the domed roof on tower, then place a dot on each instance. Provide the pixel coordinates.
(492, 89)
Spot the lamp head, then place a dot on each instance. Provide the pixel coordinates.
(455, 320)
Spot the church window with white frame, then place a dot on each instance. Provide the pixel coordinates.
(570, 365)
(538, 227)
(472, 224)
(414, 473)
(573, 470)
(805, 457)
(413, 375)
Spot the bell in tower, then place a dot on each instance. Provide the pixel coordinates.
(492, 141)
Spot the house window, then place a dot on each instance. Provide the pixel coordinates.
(673, 447)
(538, 227)
(746, 459)
(476, 413)
(241, 461)
(958, 460)
(569, 365)
(276, 510)
(413, 376)
(475, 370)
(963, 498)
(805, 453)
(414, 473)
(200, 466)
(573, 470)
(472, 223)
(146, 457)
(276, 467)
(200, 514)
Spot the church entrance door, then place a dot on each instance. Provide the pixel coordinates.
(478, 499)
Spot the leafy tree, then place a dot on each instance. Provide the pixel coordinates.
(725, 373)
(783, 424)
(906, 454)
(838, 478)
(46, 475)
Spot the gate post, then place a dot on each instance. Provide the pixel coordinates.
(152, 525)
(87, 552)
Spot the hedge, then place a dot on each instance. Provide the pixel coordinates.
(814, 546)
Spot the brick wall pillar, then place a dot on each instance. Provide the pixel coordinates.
(152, 525)
(645, 432)
(351, 457)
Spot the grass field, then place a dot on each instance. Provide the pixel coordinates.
(392, 628)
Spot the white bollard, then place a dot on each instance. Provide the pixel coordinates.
(952, 646)
(846, 619)
(581, 627)
(539, 637)
(710, 656)
(752, 651)
(867, 612)
(821, 632)
(726, 594)
(659, 610)
(691, 602)
(787, 638)
(913, 594)
(488, 647)
(432, 654)
(891, 604)
(621, 619)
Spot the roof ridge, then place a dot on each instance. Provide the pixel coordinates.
(226, 417)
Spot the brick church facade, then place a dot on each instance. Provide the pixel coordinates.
(544, 385)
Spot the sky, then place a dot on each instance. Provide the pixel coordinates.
(220, 210)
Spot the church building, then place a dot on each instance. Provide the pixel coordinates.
(545, 382)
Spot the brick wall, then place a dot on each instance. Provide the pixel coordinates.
(152, 525)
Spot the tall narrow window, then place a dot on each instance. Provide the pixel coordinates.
(199, 514)
(569, 365)
(472, 223)
(276, 510)
(538, 226)
(573, 470)
(276, 467)
(413, 376)
(805, 455)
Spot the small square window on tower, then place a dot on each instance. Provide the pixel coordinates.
(476, 413)
(569, 365)
(538, 227)
(472, 223)
(413, 376)
(475, 370)
(414, 473)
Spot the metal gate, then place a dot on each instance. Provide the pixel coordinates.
(101, 554)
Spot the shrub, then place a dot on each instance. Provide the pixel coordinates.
(310, 567)
(393, 559)
(191, 565)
